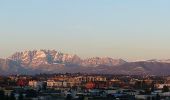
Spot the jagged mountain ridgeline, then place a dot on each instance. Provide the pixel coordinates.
(52, 61)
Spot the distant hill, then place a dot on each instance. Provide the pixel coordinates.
(52, 61)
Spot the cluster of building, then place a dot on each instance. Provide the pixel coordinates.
(88, 86)
(64, 82)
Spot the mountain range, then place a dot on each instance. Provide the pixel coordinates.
(52, 61)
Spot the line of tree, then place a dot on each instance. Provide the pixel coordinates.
(6, 97)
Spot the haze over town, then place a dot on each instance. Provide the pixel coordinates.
(131, 30)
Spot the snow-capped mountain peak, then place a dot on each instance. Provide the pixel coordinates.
(42, 57)
(157, 60)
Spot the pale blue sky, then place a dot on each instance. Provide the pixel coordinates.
(128, 29)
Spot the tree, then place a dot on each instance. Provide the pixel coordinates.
(6, 97)
(152, 86)
(138, 85)
(165, 89)
(31, 93)
(81, 97)
(44, 87)
(158, 97)
(12, 96)
(148, 91)
(2, 95)
(69, 97)
(110, 97)
(21, 97)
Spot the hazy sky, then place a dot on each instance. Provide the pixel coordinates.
(128, 29)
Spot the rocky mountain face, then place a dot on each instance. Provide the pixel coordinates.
(44, 57)
(96, 61)
(52, 57)
(51, 61)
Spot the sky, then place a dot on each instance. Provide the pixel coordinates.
(127, 29)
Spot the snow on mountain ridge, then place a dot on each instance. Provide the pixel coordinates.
(41, 57)
(38, 61)
(102, 61)
(157, 60)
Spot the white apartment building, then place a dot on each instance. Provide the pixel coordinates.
(35, 84)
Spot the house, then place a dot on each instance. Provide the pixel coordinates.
(36, 84)
(52, 83)
(160, 86)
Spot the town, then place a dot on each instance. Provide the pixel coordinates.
(82, 86)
